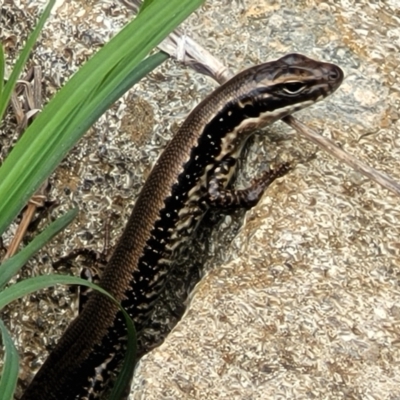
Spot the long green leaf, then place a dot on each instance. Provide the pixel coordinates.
(19, 65)
(106, 96)
(144, 5)
(124, 378)
(36, 283)
(32, 285)
(2, 71)
(138, 73)
(11, 266)
(9, 374)
(49, 138)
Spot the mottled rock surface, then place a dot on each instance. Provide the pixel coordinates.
(304, 302)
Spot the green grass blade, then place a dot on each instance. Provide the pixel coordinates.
(9, 374)
(124, 378)
(146, 66)
(144, 5)
(11, 266)
(32, 285)
(110, 92)
(2, 71)
(19, 65)
(90, 115)
(49, 137)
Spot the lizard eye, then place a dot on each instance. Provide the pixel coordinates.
(293, 87)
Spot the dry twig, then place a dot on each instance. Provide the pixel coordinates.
(24, 111)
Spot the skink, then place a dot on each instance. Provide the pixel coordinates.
(191, 176)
